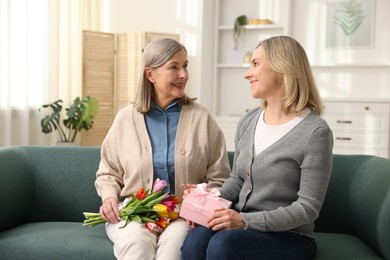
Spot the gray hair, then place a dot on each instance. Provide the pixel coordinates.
(155, 55)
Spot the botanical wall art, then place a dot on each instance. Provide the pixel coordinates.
(350, 23)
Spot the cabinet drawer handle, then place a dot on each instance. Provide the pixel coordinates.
(344, 121)
(344, 138)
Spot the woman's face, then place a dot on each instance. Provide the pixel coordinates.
(263, 80)
(170, 79)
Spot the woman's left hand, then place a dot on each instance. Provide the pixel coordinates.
(187, 187)
(225, 219)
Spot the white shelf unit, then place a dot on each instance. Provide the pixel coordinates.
(232, 95)
(253, 27)
(231, 92)
(360, 126)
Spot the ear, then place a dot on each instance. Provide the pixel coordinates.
(149, 74)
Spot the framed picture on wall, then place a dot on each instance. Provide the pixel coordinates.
(350, 23)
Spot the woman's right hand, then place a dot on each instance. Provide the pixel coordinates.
(109, 210)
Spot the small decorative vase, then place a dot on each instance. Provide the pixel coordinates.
(247, 57)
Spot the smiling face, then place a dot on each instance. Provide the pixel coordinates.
(170, 79)
(263, 80)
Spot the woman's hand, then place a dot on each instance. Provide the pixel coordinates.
(225, 219)
(109, 210)
(187, 188)
(186, 192)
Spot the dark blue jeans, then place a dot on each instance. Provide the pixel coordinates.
(202, 243)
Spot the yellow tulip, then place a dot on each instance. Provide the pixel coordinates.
(161, 210)
(173, 215)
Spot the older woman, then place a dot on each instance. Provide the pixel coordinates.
(164, 135)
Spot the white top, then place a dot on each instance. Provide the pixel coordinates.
(266, 135)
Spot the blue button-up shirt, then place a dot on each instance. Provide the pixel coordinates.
(162, 125)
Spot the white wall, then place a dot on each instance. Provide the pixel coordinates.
(194, 21)
(172, 16)
(353, 79)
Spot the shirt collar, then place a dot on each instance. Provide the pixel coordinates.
(170, 106)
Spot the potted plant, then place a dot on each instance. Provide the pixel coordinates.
(239, 28)
(80, 115)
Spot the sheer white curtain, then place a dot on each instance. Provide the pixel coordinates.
(40, 52)
(22, 69)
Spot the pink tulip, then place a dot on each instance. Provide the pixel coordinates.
(159, 185)
(168, 197)
(170, 205)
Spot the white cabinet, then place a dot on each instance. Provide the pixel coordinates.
(228, 124)
(359, 126)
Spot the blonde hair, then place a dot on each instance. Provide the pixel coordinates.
(155, 55)
(288, 59)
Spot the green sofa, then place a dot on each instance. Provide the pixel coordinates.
(45, 190)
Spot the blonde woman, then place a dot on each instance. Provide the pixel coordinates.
(282, 165)
(164, 135)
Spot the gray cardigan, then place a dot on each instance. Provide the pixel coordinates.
(283, 187)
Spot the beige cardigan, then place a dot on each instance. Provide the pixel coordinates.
(126, 155)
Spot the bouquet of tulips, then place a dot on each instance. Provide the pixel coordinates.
(152, 207)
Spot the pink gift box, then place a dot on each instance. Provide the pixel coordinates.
(200, 204)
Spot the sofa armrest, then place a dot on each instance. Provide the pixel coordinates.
(358, 201)
(16, 187)
(370, 203)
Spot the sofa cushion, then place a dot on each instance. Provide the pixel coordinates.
(342, 246)
(55, 240)
(64, 182)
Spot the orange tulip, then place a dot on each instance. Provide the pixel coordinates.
(162, 222)
(141, 194)
(175, 199)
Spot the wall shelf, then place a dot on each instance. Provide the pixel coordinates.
(351, 66)
(255, 27)
(234, 66)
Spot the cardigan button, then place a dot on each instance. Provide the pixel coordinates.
(182, 150)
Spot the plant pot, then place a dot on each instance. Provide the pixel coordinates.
(65, 143)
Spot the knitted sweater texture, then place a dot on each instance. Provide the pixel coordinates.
(126, 154)
(283, 187)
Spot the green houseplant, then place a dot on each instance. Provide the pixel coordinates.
(80, 115)
(239, 29)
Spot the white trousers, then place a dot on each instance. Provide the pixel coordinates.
(135, 241)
